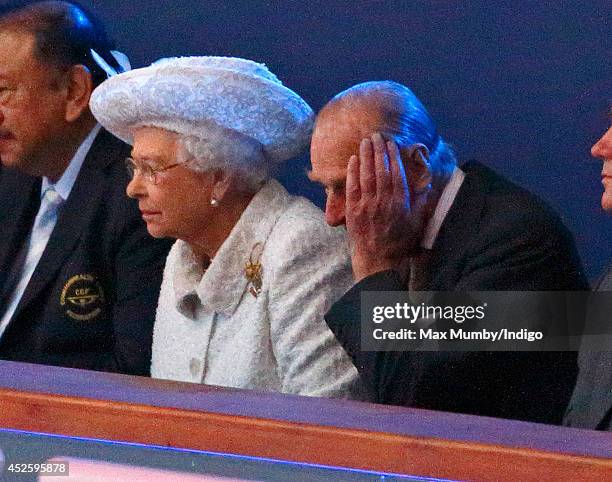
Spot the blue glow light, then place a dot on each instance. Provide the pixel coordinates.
(229, 456)
(80, 18)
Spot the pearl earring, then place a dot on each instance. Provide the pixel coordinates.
(213, 202)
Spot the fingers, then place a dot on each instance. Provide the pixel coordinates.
(381, 166)
(372, 174)
(398, 175)
(353, 191)
(367, 176)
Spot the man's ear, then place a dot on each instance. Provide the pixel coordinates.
(222, 180)
(416, 165)
(79, 87)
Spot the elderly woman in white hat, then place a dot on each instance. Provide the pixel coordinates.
(253, 269)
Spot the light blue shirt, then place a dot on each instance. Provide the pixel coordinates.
(38, 238)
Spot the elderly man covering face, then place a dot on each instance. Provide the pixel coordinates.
(591, 404)
(254, 269)
(417, 221)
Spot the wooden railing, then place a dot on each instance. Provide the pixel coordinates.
(301, 429)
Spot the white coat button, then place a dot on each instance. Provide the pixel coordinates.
(194, 366)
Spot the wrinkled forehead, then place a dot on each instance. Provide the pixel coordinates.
(16, 51)
(345, 125)
(338, 132)
(360, 117)
(331, 147)
(155, 143)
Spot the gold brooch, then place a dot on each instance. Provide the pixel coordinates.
(253, 270)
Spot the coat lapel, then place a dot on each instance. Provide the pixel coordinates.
(605, 282)
(603, 378)
(458, 228)
(227, 269)
(598, 365)
(592, 398)
(606, 367)
(74, 216)
(20, 198)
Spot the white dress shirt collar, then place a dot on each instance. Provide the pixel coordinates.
(65, 183)
(444, 204)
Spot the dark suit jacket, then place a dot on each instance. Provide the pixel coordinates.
(591, 403)
(496, 236)
(91, 301)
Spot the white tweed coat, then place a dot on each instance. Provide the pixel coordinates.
(210, 329)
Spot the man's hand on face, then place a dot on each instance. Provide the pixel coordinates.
(383, 225)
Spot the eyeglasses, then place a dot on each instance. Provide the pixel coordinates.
(149, 173)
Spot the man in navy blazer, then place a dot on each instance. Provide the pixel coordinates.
(79, 274)
(591, 403)
(418, 222)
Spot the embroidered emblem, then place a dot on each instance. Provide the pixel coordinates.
(253, 270)
(83, 297)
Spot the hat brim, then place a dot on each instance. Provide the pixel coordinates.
(185, 100)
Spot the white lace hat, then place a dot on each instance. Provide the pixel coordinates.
(205, 97)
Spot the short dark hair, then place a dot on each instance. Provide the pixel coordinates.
(64, 33)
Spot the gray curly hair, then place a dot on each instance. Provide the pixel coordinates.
(230, 151)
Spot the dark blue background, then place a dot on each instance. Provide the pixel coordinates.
(523, 86)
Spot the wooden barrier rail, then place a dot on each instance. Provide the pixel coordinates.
(311, 430)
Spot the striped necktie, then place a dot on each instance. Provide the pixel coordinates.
(43, 226)
(39, 237)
